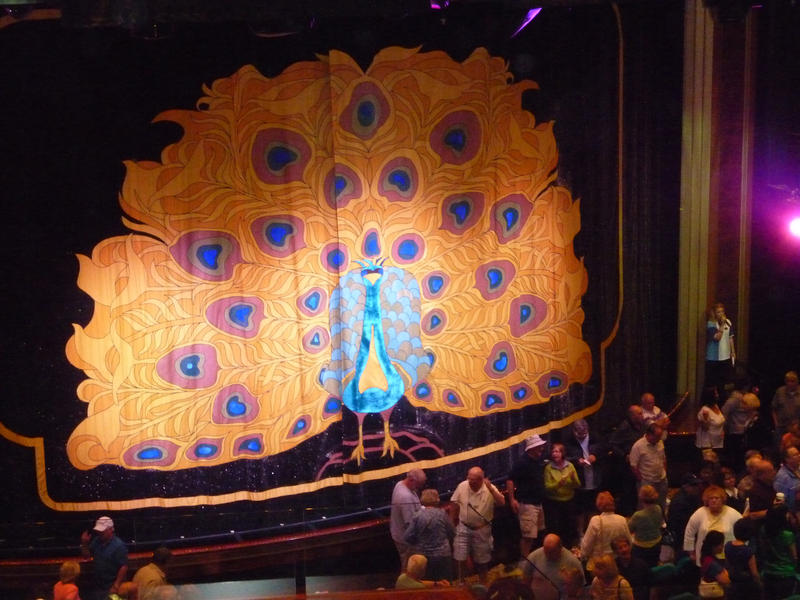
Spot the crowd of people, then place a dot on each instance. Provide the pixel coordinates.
(593, 517)
(597, 518)
(110, 577)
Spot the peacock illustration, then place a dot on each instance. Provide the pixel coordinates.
(330, 238)
(382, 364)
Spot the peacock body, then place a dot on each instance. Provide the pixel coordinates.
(327, 238)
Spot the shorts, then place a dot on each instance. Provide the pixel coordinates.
(531, 520)
(476, 543)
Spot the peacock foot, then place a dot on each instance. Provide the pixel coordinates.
(389, 445)
(358, 454)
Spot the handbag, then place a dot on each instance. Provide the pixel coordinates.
(710, 589)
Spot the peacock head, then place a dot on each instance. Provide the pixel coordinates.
(372, 271)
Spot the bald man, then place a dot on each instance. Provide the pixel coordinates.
(551, 561)
(475, 498)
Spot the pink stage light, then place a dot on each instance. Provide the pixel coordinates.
(529, 16)
(794, 227)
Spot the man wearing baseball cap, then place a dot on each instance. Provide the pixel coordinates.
(110, 557)
(525, 488)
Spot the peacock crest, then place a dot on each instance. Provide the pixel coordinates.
(330, 238)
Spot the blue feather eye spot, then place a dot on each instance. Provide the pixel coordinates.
(277, 234)
(279, 157)
(372, 244)
(509, 216)
(501, 360)
(551, 383)
(301, 425)
(366, 113)
(435, 284)
(408, 248)
(205, 450)
(316, 339)
(525, 313)
(150, 454)
(456, 139)
(431, 358)
(341, 185)
(521, 393)
(234, 404)
(434, 322)
(333, 406)
(335, 257)
(235, 407)
(208, 255)
(190, 366)
(422, 391)
(250, 445)
(240, 314)
(312, 302)
(452, 399)
(460, 212)
(495, 277)
(492, 400)
(398, 181)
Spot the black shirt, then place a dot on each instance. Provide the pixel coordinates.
(528, 477)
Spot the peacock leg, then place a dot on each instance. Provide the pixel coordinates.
(358, 453)
(389, 445)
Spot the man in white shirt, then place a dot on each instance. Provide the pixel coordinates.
(649, 462)
(475, 498)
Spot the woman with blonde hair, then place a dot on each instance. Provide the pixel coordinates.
(608, 584)
(430, 533)
(65, 588)
(714, 515)
(603, 528)
(645, 526)
(757, 431)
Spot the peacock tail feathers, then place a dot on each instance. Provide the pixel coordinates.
(230, 324)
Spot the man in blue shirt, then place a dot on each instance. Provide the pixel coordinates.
(110, 557)
(787, 480)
